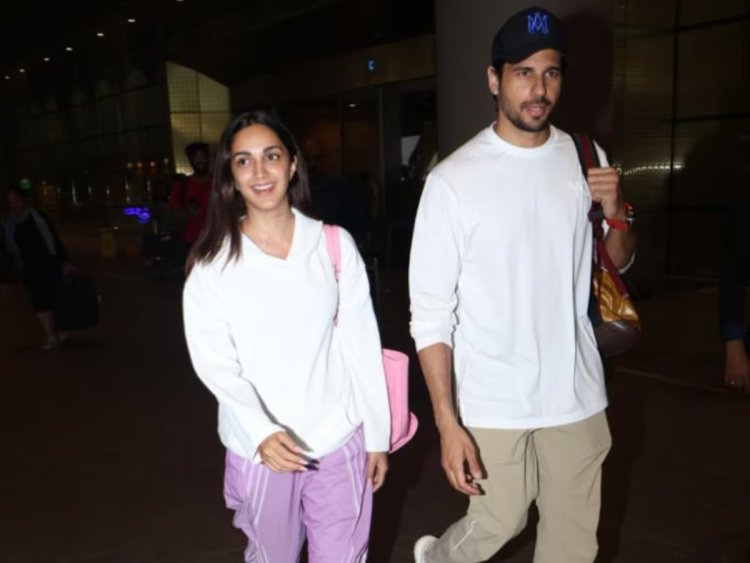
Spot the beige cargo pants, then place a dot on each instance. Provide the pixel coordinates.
(559, 468)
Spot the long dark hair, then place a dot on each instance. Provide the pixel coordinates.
(226, 205)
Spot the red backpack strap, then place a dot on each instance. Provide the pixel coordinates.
(588, 157)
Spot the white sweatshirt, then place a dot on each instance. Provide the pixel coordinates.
(501, 270)
(261, 336)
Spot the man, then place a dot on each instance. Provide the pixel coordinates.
(188, 201)
(32, 239)
(500, 278)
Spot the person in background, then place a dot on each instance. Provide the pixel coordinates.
(188, 199)
(735, 273)
(292, 356)
(32, 238)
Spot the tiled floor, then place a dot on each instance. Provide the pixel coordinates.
(109, 450)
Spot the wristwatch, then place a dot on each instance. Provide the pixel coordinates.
(627, 224)
(629, 214)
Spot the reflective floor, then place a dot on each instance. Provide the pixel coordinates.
(110, 454)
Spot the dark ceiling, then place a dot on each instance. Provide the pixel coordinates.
(229, 40)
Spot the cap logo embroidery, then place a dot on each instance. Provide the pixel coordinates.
(538, 23)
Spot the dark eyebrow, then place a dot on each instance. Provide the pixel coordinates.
(530, 69)
(265, 150)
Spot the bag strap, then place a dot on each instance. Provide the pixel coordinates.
(333, 243)
(588, 157)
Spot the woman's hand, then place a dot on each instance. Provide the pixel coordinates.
(377, 467)
(282, 454)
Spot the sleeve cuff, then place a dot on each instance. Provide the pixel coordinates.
(732, 331)
(423, 341)
(627, 266)
(377, 444)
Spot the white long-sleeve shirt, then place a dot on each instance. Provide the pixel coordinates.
(501, 271)
(261, 337)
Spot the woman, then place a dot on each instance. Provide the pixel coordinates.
(293, 357)
(32, 238)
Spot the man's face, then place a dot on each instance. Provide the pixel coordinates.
(527, 91)
(199, 162)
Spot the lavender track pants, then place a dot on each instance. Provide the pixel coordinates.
(331, 506)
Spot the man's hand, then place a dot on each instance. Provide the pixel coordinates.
(281, 453)
(604, 184)
(460, 460)
(377, 467)
(737, 366)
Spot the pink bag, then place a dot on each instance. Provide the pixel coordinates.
(395, 364)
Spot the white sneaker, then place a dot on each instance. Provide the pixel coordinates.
(421, 547)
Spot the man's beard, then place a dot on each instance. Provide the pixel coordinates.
(516, 118)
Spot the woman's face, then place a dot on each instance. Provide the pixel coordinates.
(262, 169)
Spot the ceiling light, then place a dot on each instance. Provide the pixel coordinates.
(21, 70)
(99, 34)
(68, 49)
(131, 20)
(47, 59)
(7, 77)
(352, 105)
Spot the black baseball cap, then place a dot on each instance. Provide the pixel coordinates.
(525, 33)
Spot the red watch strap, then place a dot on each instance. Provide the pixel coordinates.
(617, 225)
